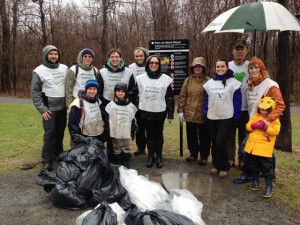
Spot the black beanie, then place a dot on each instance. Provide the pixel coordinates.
(88, 51)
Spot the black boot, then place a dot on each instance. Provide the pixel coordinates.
(158, 148)
(255, 182)
(268, 191)
(150, 146)
(126, 158)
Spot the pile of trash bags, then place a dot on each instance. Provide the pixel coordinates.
(118, 196)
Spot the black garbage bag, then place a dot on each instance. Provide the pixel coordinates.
(103, 215)
(68, 171)
(88, 179)
(48, 180)
(85, 154)
(66, 196)
(109, 187)
(156, 217)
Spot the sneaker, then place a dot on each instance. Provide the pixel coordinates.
(191, 159)
(214, 171)
(223, 174)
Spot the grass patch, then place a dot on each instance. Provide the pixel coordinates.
(22, 134)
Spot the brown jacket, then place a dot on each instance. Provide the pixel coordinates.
(191, 98)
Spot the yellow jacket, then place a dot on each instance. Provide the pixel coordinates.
(261, 143)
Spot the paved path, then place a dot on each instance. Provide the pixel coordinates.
(294, 109)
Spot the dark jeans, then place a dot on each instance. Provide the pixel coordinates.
(261, 164)
(154, 129)
(54, 129)
(140, 136)
(219, 131)
(198, 140)
(241, 135)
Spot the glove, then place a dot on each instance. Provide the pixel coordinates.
(259, 125)
(181, 118)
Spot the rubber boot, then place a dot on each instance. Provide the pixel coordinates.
(246, 176)
(125, 159)
(268, 191)
(140, 152)
(150, 146)
(159, 147)
(255, 182)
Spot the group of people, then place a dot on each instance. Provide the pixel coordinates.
(239, 96)
(117, 103)
(113, 104)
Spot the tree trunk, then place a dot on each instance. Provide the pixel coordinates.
(14, 39)
(284, 139)
(5, 86)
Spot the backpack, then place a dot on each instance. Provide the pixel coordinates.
(77, 68)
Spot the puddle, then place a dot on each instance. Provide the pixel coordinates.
(201, 185)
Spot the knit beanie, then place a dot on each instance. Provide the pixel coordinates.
(88, 51)
(91, 83)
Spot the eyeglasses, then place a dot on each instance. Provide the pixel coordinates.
(154, 63)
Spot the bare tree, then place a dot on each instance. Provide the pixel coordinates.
(284, 140)
(5, 86)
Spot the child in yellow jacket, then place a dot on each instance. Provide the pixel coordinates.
(260, 144)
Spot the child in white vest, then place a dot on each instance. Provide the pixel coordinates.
(86, 117)
(121, 123)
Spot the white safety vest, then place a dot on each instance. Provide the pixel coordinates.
(53, 79)
(257, 93)
(152, 92)
(136, 70)
(81, 79)
(220, 98)
(110, 79)
(241, 74)
(91, 122)
(120, 118)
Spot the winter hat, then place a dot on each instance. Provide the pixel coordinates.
(88, 51)
(199, 61)
(91, 83)
(267, 103)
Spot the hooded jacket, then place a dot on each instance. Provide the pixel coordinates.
(191, 97)
(261, 87)
(48, 84)
(153, 77)
(75, 82)
(107, 78)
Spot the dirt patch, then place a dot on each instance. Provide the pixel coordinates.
(24, 202)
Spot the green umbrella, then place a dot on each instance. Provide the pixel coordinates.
(253, 17)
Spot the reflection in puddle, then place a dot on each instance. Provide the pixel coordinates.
(201, 185)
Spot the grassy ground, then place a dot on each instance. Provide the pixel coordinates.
(22, 133)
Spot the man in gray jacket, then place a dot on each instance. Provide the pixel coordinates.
(48, 96)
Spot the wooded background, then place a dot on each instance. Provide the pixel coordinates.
(29, 25)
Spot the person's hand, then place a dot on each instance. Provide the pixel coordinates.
(170, 120)
(181, 117)
(259, 125)
(47, 115)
